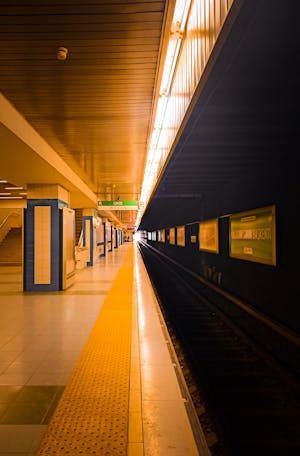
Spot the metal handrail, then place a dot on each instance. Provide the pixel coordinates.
(6, 218)
(80, 241)
(4, 222)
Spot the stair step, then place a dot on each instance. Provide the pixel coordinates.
(11, 248)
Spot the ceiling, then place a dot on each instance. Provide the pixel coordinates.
(242, 118)
(94, 108)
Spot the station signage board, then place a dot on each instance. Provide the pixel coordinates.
(172, 236)
(118, 205)
(209, 236)
(161, 235)
(181, 236)
(252, 235)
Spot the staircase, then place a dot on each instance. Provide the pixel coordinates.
(11, 248)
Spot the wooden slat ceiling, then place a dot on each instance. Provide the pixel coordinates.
(94, 108)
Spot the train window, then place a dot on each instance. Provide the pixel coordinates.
(209, 236)
(149, 236)
(181, 236)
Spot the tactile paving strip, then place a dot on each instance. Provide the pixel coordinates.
(92, 416)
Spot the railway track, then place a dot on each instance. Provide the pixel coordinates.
(256, 402)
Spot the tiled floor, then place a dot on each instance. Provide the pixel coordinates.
(28, 404)
(41, 336)
(18, 440)
(92, 416)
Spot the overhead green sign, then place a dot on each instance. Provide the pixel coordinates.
(252, 235)
(118, 205)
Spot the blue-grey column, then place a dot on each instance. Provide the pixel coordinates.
(88, 237)
(116, 238)
(111, 238)
(104, 238)
(43, 245)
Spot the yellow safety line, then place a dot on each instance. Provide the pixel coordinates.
(135, 425)
(92, 416)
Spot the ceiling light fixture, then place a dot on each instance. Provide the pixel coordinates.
(170, 62)
(156, 153)
(160, 111)
(177, 30)
(14, 188)
(3, 181)
(10, 197)
(181, 12)
(5, 194)
(62, 53)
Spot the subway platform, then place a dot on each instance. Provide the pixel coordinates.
(92, 371)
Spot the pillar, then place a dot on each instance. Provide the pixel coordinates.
(111, 238)
(89, 234)
(49, 231)
(104, 238)
(116, 238)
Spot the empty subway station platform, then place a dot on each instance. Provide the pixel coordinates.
(149, 205)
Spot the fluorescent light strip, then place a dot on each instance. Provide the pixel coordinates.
(181, 13)
(11, 197)
(170, 64)
(155, 153)
(5, 194)
(3, 181)
(13, 188)
(160, 111)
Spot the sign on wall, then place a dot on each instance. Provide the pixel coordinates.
(118, 205)
(181, 236)
(162, 236)
(172, 236)
(253, 235)
(209, 236)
